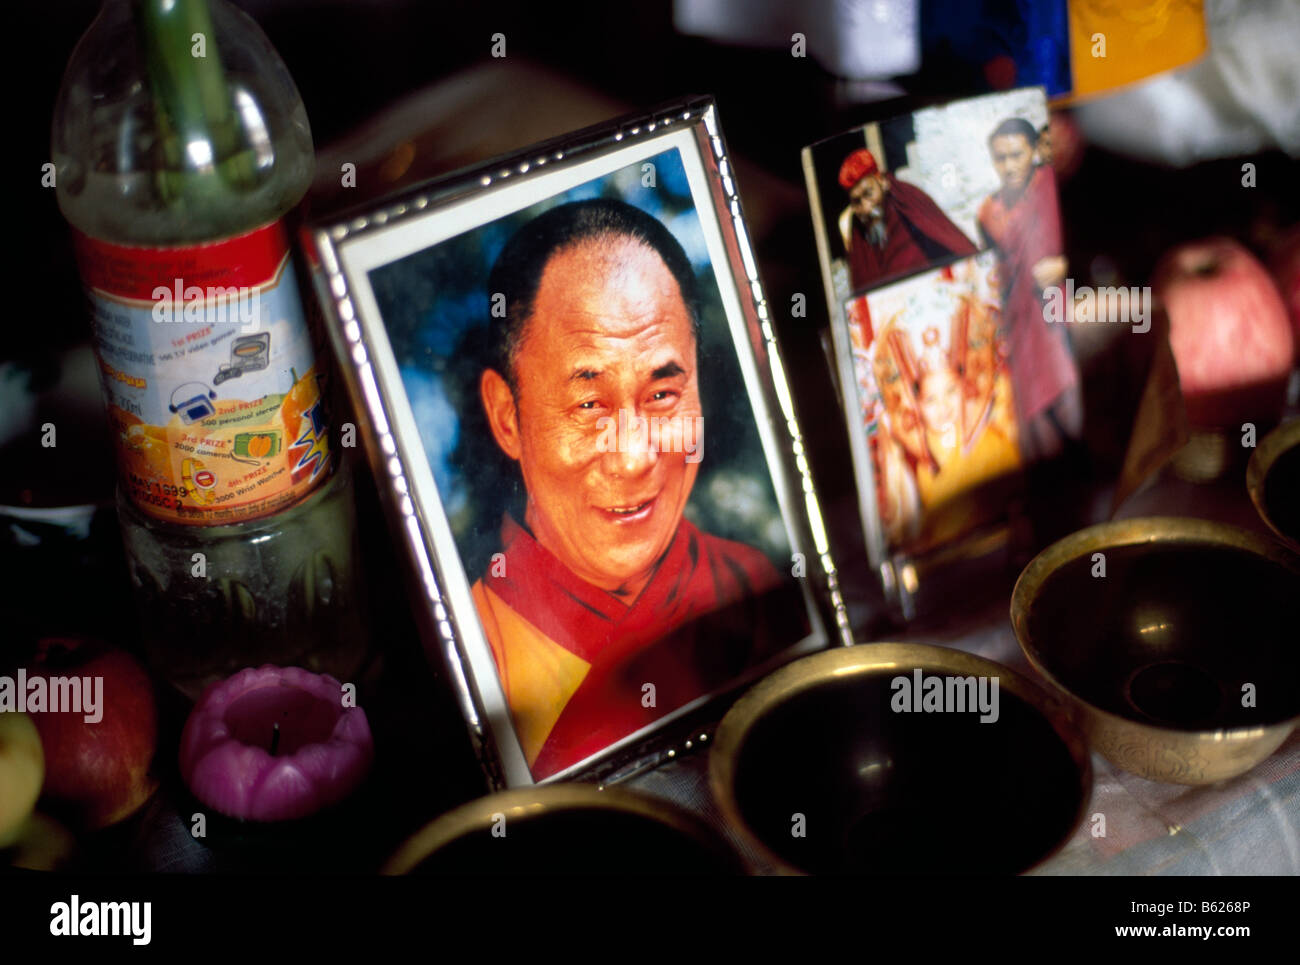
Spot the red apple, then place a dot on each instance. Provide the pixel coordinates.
(1285, 263)
(97, 771)
(1229, 332)
(22, 766)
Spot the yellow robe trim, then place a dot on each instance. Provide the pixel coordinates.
(538, 675)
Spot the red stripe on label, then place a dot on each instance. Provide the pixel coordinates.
(135, 272)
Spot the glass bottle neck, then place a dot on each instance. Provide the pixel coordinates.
(197, 117)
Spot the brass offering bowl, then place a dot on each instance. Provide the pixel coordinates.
(565, 829)
(1157, 653)
(1273, 481)
(820, 774)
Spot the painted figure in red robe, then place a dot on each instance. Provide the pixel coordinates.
(605, 608)
(891, 227)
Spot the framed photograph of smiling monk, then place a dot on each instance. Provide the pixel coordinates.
(569, 382)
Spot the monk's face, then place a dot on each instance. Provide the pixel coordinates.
(940, 400)
(610, 341)
(1013, 159)
(866, 196)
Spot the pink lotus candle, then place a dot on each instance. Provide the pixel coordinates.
(274, 744)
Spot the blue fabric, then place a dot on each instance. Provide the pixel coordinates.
(965, 37)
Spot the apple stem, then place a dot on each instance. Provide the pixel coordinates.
(275, 738)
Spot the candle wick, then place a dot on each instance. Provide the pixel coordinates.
(275, 738)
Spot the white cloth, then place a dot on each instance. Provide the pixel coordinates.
(1242, 97)
(856, 39)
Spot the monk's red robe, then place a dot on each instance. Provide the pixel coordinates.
(917, 233)
(574, 659)
(1024, 232)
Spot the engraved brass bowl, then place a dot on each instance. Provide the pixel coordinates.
(1273, 481)
(818, 773)
(1176, 638)
(576, 829)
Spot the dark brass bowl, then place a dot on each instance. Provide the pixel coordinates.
(897, 793)
(1273, 481)
(567, 829)
(1157, 653)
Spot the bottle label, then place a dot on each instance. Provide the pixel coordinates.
(209, 374)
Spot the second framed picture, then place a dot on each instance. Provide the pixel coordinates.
(572, 394)
(940, 242)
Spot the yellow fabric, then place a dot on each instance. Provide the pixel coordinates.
(1142, 37)
(538, 675)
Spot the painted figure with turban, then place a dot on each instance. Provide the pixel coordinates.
(890, 227)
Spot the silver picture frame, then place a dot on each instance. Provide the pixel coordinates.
(348, 250)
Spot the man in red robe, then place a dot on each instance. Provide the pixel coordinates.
(891, 227)
(605, 608)
(1022, 222)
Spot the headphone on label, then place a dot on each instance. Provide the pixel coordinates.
(204, 390)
